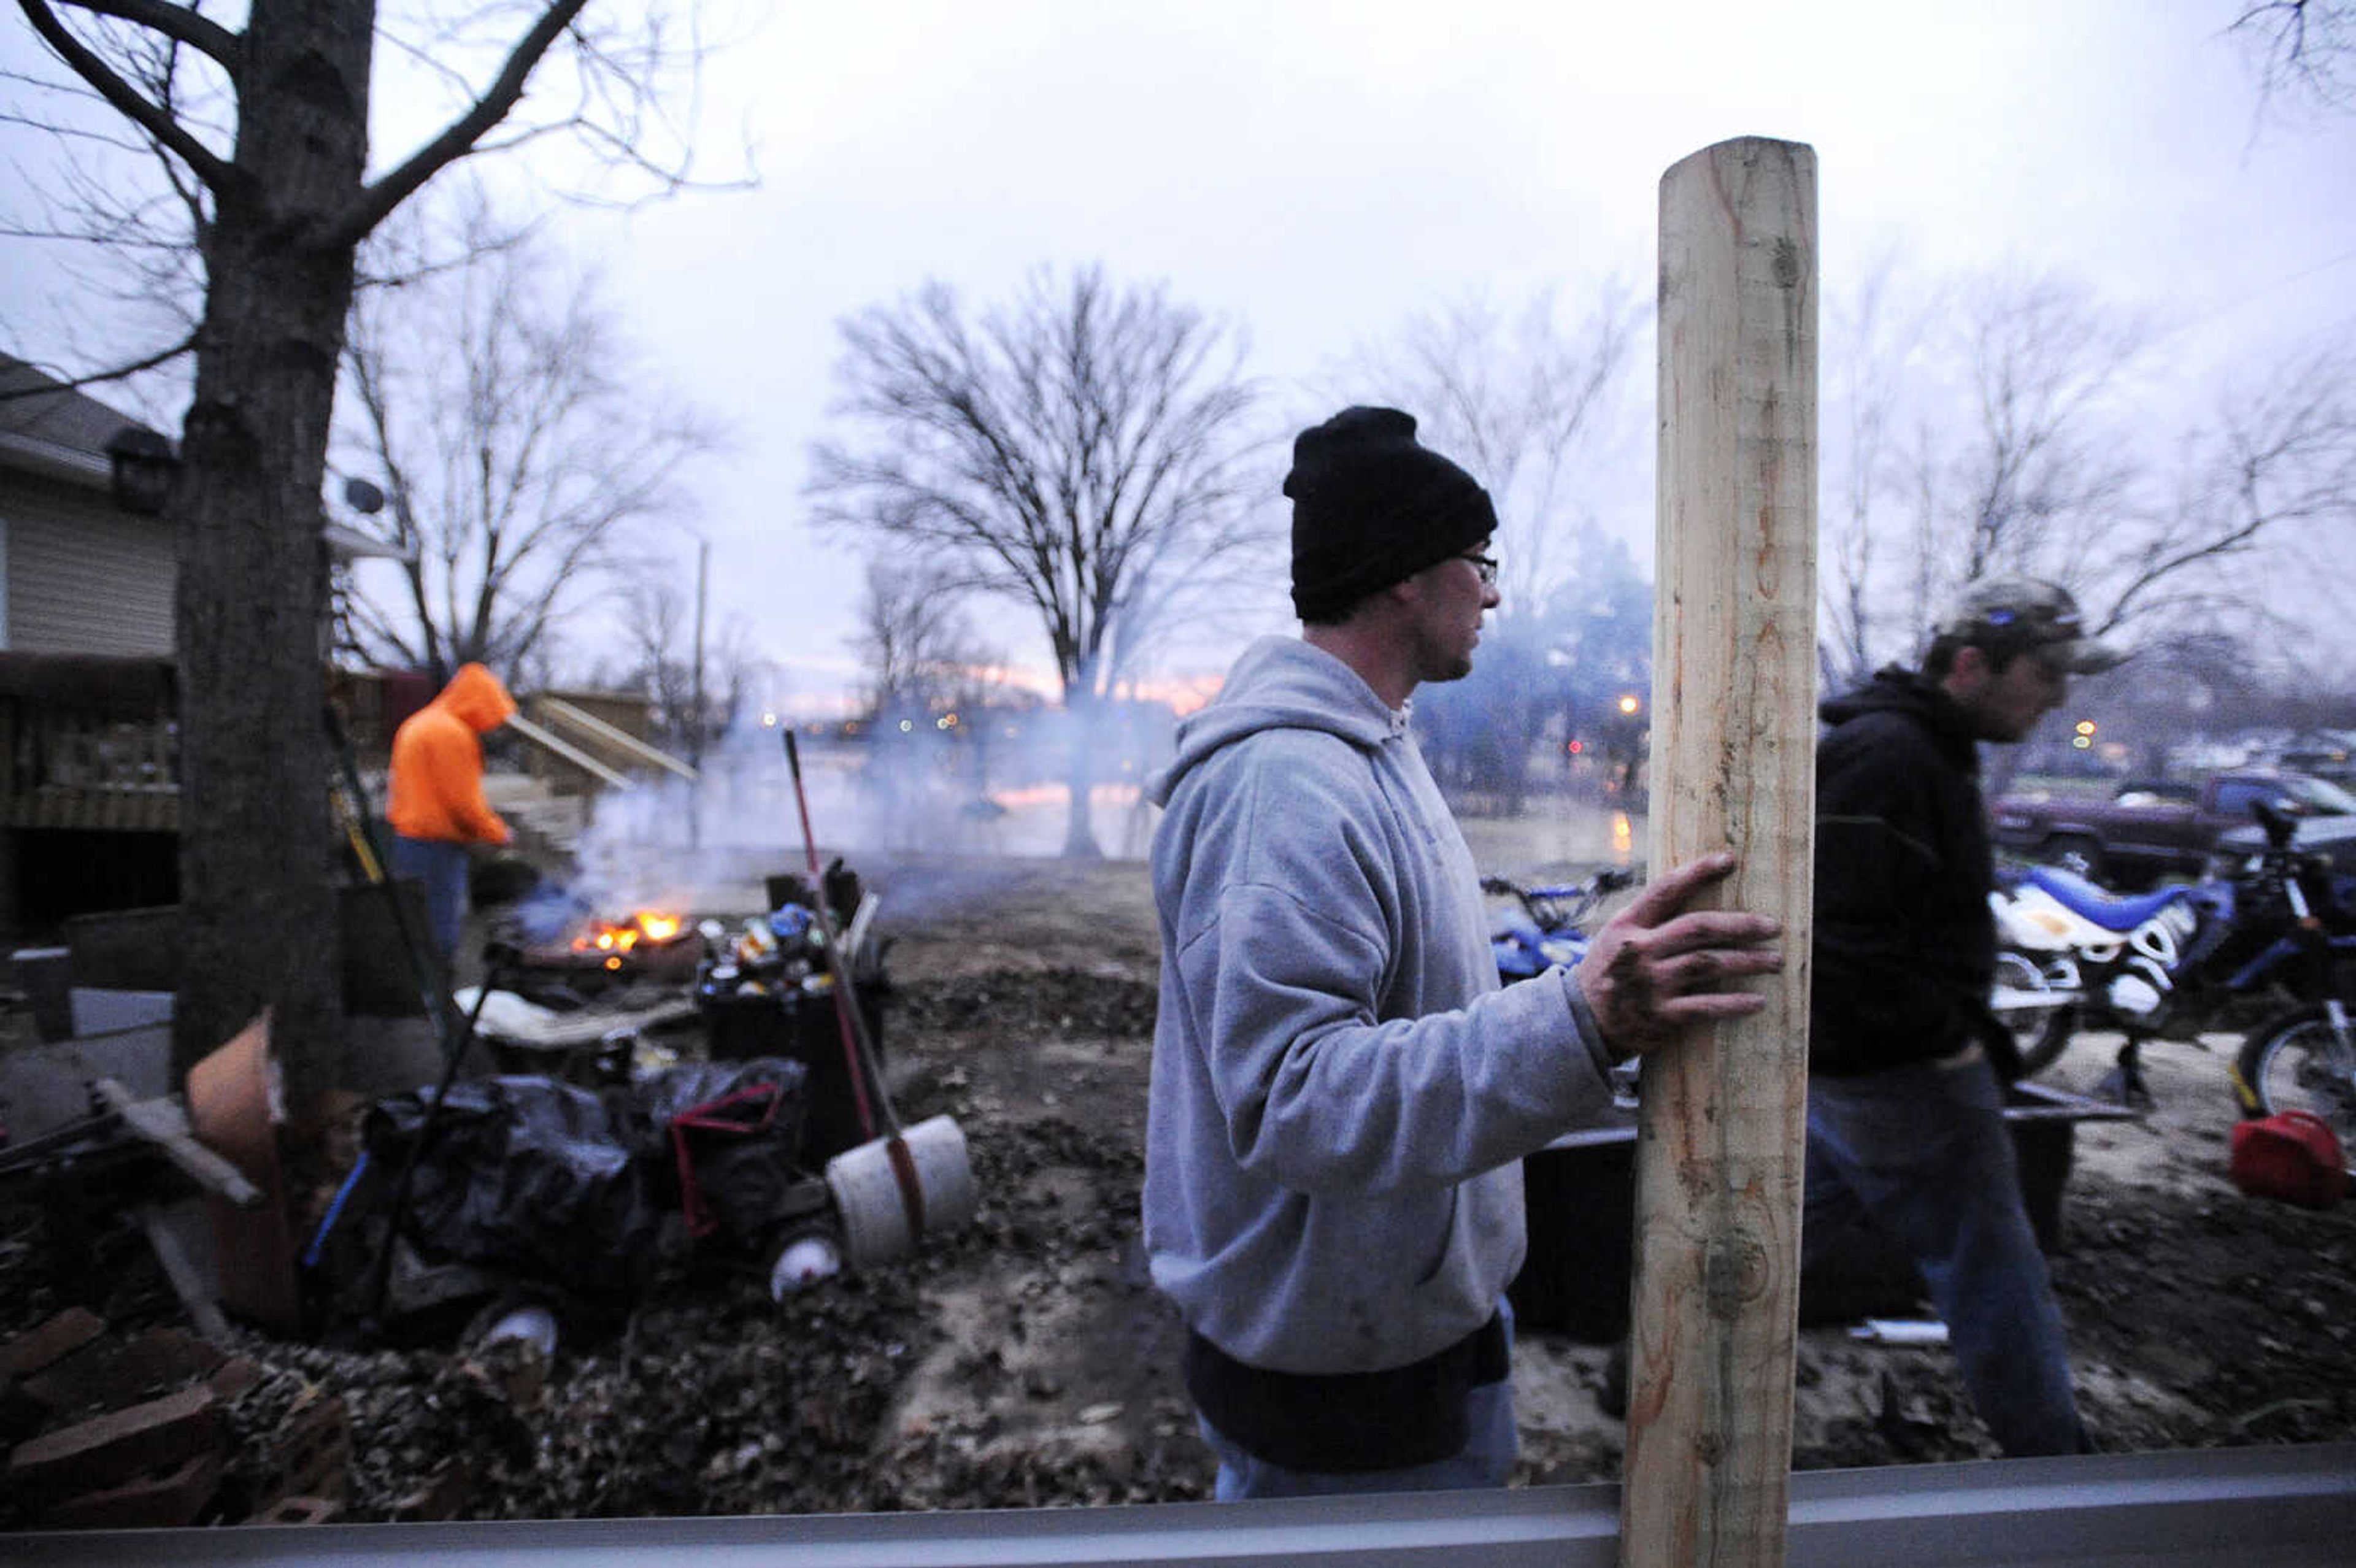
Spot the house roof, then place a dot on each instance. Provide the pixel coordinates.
(53, 429)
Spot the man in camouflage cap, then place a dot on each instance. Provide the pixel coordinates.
(2008, 614)
(1907, 1065)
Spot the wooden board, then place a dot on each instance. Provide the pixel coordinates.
(1715, 1293)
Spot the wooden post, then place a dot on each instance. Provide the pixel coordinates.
(1715, 1297)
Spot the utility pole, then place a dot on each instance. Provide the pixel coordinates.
(695, 702)
(1722, 1124)
(696, 699)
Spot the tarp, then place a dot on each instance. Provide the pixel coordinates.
(543, 1179)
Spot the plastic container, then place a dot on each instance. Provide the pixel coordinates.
(807, 1257)
(534, 1326)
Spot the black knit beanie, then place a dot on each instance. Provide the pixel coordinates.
(1371, 506)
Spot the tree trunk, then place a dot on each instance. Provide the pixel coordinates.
(1079, 772)
(257, 844)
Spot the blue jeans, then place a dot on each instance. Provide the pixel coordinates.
(1486, 1460)
(1922, 1153)
(441, 866)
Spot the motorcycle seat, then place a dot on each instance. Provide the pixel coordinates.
(2112, 911)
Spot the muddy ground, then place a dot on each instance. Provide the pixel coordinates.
(1025, 1361)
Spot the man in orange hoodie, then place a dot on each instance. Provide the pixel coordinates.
(436, 805)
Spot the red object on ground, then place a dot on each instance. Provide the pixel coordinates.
(708, 1117)
(2291, 1155)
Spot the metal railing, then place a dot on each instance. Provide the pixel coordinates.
(2229, 1508)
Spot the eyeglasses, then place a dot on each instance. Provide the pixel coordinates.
(1486, 565)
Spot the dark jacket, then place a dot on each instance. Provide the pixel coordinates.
(1905, 945)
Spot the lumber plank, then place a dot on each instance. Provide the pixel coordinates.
(1715, 1293)
(165, 1124)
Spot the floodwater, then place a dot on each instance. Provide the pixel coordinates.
(747, 799)
(747, 802)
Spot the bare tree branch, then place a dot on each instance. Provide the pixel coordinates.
(182, 23)
(2304, 48)
(74, 133)
(115, 373)
(458, 139)
(140, 111)
(2054, 473)
(522, 458)
(1528, 402)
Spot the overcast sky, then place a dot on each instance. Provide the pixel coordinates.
(1317, 172)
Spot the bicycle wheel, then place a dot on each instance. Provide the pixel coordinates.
(2294, 1063)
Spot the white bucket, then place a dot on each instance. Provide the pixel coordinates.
(867, 1190)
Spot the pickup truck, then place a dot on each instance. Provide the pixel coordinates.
(2152, 829)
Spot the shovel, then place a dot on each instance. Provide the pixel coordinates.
(903, 1183)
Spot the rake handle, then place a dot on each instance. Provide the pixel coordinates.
(857, 1053)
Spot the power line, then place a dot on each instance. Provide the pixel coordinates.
(2285, 281)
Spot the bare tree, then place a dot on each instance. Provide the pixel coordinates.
(691, 708)
(2259, 525)
(262, 129)
(2032, 449)
(2038, 465)
(1533, 405)
(1530, 405)
(1874, 334)
(1080, 452)
(915, 637)
(529, 459)
(2302, 51)
(1997, 432)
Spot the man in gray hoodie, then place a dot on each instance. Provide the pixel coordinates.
(1342, 1095)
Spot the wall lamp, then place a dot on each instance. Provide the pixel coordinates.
(143, 464)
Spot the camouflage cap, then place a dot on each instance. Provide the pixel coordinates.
(2008, 612)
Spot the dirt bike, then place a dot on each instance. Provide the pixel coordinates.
(2304, 1058)
(2172, 962)
(1543, 927)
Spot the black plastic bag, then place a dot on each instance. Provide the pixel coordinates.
(542, 1180)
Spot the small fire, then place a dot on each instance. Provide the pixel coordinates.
(616, 938)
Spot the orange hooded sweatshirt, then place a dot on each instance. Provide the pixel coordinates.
(437, 762)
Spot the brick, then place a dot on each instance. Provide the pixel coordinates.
(300, 1511)
(236, 1377)
(111, 1373)
(444, 1496)
(311, 1454)
(109, 1449)
(51, 1342)
(21, 1415)
(167, 1500)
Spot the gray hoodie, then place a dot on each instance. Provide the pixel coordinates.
(1342, 1095)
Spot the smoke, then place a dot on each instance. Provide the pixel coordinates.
(988, 786)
